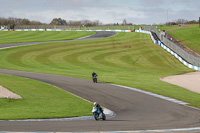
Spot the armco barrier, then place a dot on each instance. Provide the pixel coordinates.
(170, 51)
(187, 55)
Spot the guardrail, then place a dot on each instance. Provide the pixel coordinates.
(183, 53)
(182, 60)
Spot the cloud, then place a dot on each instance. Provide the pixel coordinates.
(107, 11)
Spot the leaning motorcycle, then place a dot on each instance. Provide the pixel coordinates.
(97, 114)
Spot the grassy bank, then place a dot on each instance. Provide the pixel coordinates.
(164, 27)
(37, 36)
(129, 59)
(39, 100)
(189, 36)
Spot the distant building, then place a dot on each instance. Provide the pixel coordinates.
(173, 23)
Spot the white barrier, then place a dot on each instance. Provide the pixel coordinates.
(3, 29)
(170, 51)
(68, 30)
(29, 30)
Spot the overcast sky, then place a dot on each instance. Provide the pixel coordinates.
(106, 11)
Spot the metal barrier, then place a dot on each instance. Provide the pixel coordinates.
(185, 54)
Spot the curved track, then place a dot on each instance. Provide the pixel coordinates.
(134, 110)
(97, 35)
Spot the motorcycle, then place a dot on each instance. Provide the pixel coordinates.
(94, 79)
(97, 114)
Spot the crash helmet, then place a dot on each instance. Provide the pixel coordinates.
(95, 103)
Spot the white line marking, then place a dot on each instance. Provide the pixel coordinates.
(153, 94)
(134, 131)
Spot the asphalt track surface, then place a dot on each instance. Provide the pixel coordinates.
(134, 110)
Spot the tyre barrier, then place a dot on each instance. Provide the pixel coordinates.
(169, 50)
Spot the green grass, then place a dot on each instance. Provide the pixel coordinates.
(39, 100)
(129, 59)
(164, 27)
(37, 36)
(189, 36)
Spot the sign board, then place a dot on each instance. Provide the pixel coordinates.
(2, 27)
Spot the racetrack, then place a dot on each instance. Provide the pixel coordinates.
(97, 35)
(134, 110)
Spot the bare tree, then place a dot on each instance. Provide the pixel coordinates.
(181, 21)
(17, 21)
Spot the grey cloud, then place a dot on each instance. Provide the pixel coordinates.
(107, 11)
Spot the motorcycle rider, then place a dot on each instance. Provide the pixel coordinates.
(96, 105)
(94, 75)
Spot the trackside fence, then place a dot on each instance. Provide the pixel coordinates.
(184, 54)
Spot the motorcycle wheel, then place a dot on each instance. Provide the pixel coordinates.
(96, 117)
(104, 117)
(95, 80)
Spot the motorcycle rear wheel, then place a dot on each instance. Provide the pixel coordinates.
(104, 117)
(95, 80)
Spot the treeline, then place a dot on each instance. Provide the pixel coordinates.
(60, 21)
(56, 21)
(12, 22)
(183, 21)
(17, 21)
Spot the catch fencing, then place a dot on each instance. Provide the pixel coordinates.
(187, 55)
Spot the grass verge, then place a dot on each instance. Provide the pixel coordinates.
(164, 27)
(40, 36)
(189, 36)
(39, 100)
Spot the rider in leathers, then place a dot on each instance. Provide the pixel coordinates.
(98, 107)
(94, 75)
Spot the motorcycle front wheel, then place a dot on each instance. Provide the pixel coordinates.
(96, 117)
